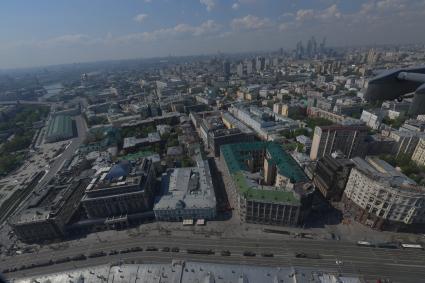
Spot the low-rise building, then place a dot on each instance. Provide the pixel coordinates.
(188, 194)
(61, 127)
(315, 112)
(132, 144)
(266, 124)
(372, 119)
(413, 126)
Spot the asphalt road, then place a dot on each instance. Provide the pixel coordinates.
(373, 263)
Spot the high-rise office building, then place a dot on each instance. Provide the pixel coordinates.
(349, 140)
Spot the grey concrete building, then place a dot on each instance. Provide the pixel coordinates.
(45, 216)
(188, 194)
(121, 190)
(331, 175)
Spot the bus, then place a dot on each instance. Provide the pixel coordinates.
(412, 246)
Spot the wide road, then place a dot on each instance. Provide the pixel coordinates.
(373, 263)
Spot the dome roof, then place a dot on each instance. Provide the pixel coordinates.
(121, 169)
(180, 204)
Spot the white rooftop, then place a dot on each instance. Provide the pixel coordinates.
(188, 188)
(191, 272)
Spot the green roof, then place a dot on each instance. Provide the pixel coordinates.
(60, 125)
(235, 156)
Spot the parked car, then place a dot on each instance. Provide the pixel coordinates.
(96, 254)
(79, 257)
(225, 253)
(136, 249)
(248, 253)
(307, 255)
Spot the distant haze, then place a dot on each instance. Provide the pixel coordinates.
(45, 32)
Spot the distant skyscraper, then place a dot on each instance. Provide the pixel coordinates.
(249, 67)
(226, 69)
(299, 52)
(372, 56)
(239, 69)
(260, 63)
(323, 45)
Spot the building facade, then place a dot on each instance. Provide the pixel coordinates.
(419, 153)
(46, 215)
(331, 175)
(406, 142)
(121, 190)
(267, 185)
(350, 140)
(383, 198)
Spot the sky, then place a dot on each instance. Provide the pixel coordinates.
(48, 32)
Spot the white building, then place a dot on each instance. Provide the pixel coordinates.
(419, 153)
(372, 120)
(382, 197)
(406, 142)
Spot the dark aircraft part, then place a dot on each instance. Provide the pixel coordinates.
(418, 104)
(397, 84)
(392, 84)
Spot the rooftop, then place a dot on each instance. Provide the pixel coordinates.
(236, 154)
(181, 271)
(188, 188)
(60, 125)
(380, 170)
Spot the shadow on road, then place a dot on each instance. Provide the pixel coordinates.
(323, 213)
(224, 211)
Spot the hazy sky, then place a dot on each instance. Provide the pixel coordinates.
(42, 32)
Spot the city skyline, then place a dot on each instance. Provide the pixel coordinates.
(57, 32)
